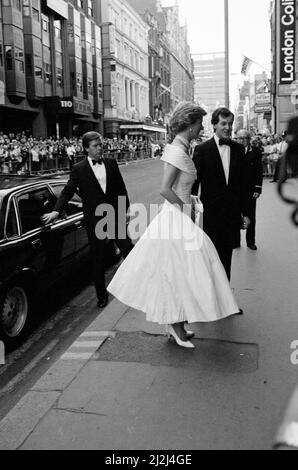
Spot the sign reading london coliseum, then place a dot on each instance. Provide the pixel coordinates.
(287, 41)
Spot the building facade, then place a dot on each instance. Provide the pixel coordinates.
(125, 66)
(209, 89)
(283, 17)
(181, 63)
(50, 67)
(159, 58)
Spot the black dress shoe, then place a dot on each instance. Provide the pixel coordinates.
(103, 302)
(252, 247)
(240, 312)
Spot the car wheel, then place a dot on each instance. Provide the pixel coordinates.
(14, 312)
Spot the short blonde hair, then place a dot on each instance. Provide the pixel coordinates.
(185, 115)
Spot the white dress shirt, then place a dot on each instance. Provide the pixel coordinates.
(100, 173)
(225, 154)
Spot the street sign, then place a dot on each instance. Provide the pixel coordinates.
(263, 108)
(263, 98)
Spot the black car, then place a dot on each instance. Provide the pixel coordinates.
(34, 256)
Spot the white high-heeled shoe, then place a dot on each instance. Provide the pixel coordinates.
(183, 344)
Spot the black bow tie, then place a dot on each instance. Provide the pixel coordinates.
(97, 162)
(225, 142)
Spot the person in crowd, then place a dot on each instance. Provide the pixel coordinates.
(99, 182)
(282, 147)
(174, 273)
(254, 169)
(222, 180)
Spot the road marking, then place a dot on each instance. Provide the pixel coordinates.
(70, 354)
(87, 344)
(77, 356)
(99, 334)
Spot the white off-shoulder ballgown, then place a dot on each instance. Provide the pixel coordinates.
(174, 273)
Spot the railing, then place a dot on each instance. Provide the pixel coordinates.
(61, 164)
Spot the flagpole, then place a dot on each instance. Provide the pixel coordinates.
(227, 52)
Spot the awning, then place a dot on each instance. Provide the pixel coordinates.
(143, 127)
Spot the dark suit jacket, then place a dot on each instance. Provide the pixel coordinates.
(223, 203)
(83, 181)
(254, 170)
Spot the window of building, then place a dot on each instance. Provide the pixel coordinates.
(58, 29)
(79, 82)
(59, 75)
(8, 57)
(45, 25)
(90, 87)
(80, 4)
(48, 73)
(35, 14)
(118, 49)
(20, 66)
(17, 4)
(1, 55)
(78, 40)
(90, 7)
(99, 89)
(37, 72)
(26, 11)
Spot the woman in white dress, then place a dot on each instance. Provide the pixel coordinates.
(174, 273)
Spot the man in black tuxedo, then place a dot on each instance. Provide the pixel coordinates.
(220, 164)
(254, 168)
(99, 183)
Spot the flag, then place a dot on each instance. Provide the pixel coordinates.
(246, 65)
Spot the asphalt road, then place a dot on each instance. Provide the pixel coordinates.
(59, 318)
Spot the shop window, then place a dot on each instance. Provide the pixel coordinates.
(8, 57)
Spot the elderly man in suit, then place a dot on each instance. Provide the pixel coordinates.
(100, 184)
(254, 168)
(221, 177)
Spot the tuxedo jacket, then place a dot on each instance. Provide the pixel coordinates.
(254, 170)
(224, 204)
(83, 181)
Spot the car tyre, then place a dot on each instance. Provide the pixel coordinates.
(14, 313)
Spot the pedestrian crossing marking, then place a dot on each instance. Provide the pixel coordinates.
(97, 338)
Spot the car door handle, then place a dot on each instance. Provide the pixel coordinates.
(36, 244)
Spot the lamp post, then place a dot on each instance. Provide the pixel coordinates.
(227, 52)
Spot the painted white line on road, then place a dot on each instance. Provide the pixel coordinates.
(87, 344)
(99, 334)
(77, 356)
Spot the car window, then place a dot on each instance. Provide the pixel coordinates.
(74, 206)
(11, 228)
(32, 205)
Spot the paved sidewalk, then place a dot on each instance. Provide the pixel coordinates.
(123, 386)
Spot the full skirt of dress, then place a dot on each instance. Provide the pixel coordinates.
(174, 273)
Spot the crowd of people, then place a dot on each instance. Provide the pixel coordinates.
(21, 153)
